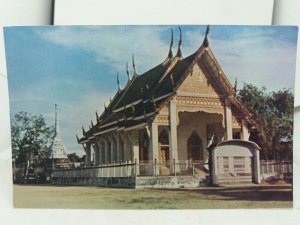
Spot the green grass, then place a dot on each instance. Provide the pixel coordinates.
(269, 196)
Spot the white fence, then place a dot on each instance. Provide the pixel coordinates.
(133, 169)
(270, 168)
(183, 168)
(113, 170)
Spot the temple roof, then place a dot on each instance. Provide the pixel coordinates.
(144, 94)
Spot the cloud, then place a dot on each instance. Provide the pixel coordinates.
(253, 56)
(113, 45)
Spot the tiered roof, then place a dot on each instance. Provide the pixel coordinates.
(145, 94)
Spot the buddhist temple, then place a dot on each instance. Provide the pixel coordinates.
(163, 121)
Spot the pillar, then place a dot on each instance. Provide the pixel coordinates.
(88, 154)
(173, 143)
(96, 150)
(228, 119)
(102, 151)
(114, 149)
(118, 148)
(134, 139)
(99, 150)
(154, 145)
(110, 149)
(106, 149)
(121, 143)
(256, 162)
(214, 167)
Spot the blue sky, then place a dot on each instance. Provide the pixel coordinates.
(76, 66)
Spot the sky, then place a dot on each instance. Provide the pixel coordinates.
(76, 67)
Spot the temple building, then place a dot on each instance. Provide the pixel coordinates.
(164, 119)
(56, 151)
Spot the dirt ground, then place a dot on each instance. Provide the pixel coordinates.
(254, 196)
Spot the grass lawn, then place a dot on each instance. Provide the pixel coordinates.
(258, 196)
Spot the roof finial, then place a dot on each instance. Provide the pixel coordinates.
(118, 82)
(179, 53)
(172, 81)
(92, 123)
(56, 122)
(97, 117)
(77, 138)
(127, 72)
(205, 42)
(133, 64)
(83, 131)
(170, 55)
(235, 87)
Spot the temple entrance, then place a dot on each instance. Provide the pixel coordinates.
(195, 147)
(164, 153)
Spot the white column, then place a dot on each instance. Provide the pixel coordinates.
(96, 152)
(214, 167)
(173, 126)
(256, 165)
(228, 120)
(102, 151)
(122, 147)
(154, 144)
(134, 139)
(105, 151)
(118, 149)
(111, 153)
(88, 153)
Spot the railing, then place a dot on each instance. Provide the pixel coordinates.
(130, 169)
(105, 170)
(276, 168)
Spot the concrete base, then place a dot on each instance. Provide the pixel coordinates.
(168, 182)
(121, 182)
(134, 182)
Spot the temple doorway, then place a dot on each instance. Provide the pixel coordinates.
(195, 147)
(164, 152)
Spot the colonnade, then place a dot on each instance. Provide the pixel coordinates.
(111, 148)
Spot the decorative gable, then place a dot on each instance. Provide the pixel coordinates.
(199, 82)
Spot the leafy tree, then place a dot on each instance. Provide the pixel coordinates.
(30, 138)
(274, 115)
(73, 157)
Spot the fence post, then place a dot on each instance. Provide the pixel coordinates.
(127, 168)
(155, 168)
(107, 170)
(193, 168)
(114, 169)
(121, 169)
(174, 167)
(135, 167)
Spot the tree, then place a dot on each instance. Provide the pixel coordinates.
(73, 157)
(274, 115)
(30, 138)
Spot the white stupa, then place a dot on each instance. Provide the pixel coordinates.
(56, 151)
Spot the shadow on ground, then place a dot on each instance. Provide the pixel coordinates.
(252, 193)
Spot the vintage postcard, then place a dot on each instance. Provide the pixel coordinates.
(152, 117)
